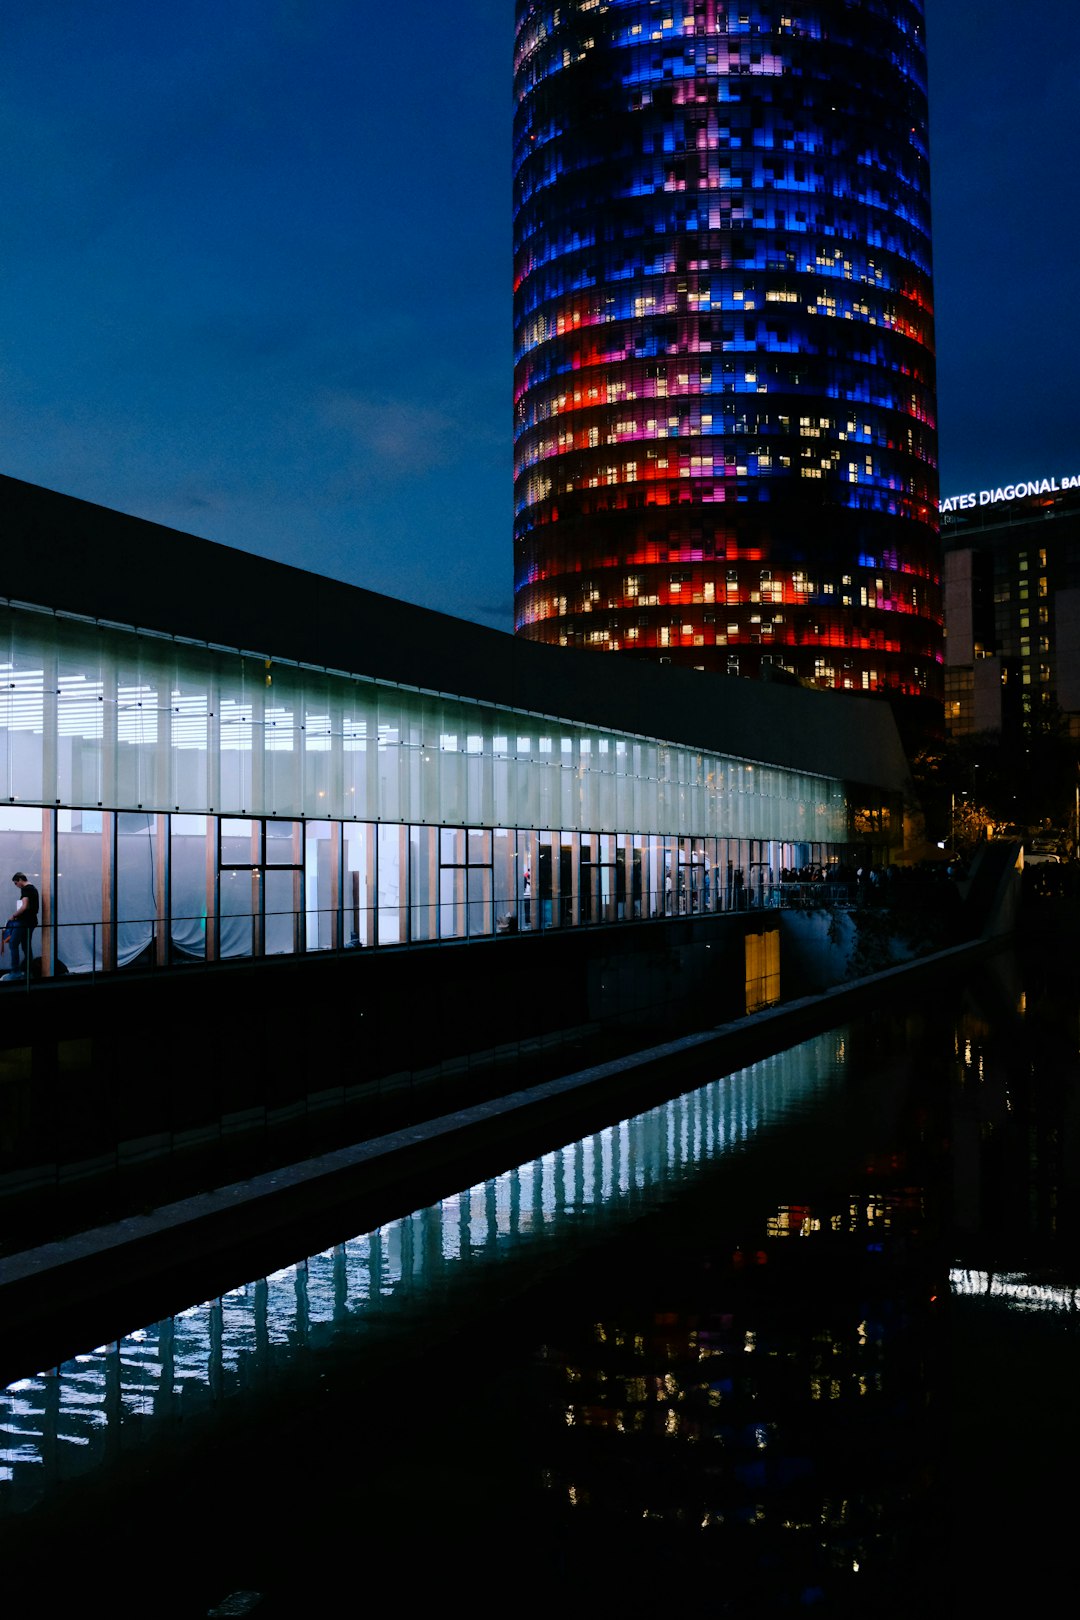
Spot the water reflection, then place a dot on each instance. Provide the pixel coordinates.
(1015, 1290)
(804, 1338)
(80, 1416)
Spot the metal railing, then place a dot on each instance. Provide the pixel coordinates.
(91, 949)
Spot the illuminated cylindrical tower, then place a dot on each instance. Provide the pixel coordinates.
(725, 440)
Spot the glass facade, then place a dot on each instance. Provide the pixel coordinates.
(725, 436)
(178, 803)
(1012, 581)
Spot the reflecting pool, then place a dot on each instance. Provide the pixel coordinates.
(800, 1339)
(67, 1421)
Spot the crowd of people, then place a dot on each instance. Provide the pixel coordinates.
(866, 884)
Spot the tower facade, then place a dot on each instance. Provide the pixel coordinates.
(725, 437)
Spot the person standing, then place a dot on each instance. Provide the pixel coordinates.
(22, 922)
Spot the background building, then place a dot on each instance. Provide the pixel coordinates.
(1012, 601)
(724, 387)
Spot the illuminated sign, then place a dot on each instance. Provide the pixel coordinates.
(1009, 492)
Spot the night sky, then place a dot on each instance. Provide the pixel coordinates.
(256, 270)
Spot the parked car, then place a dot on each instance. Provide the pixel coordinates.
(1042, 849)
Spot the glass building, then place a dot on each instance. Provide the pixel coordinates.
(369, 773)
(172, 804)
(725, 439)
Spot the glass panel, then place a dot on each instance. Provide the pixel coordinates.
(452, 846)
(78, 903)
(140, 708)
(240, 729)
(80, 718)
(389, 755)
(393, 855)
(664, 858)
(241, 842)
(501, 777)
(480, 915)
(697, 887)
(568, 880)
(635, 882)
(709, 889)
(237, 908)
(452, 918)
(452, 790)
(547, 880)
(691, 875)
(587, 879)
(758, 875)
(358, 885)
(478, 763)
(423, 883)
(527, 862)
(20, 851)
(608, 876)
(737, 859)
(189, 712)
(281, 761)
(320, 842)
(238, 886)
(358, 786)
(321, 759)
(284, 841)
(187, 874)
(624, 868)
(479, 887)
(506, 899)
(658, 879)
(22, 702)
(479, 847)
(281, 910)
(136, 873)
(681, 876)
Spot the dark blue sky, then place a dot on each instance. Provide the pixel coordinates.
(256, 270)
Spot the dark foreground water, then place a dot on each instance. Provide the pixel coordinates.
(801, 1341)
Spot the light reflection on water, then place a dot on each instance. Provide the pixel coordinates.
(1015, 1289)
(65, 1423)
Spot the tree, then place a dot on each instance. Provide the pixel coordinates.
(1029, 779)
